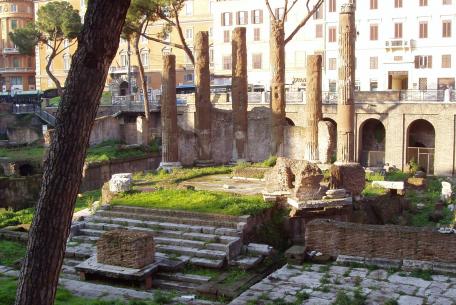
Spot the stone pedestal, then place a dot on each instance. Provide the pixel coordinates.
(169, 166)
(313, 111)
(203, 99)
(170, 134)
(120, 183)
(239, 94)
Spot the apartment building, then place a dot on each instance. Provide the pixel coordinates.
(401, 44)
(17, 71)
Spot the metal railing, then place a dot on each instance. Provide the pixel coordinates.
(428, 95)
(36, 109)
(423, 156)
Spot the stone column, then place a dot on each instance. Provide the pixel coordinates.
(170, 135)
(313, 111)
(239, 94)
(203, 99)
(346, 85)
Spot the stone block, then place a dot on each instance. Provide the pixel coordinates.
(446, 191)
(126, 249)
(350, 176)
(392, 185)
(120, 182)
(296, 254)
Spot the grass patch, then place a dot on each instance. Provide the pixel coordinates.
(86, 199)
(197, 201)
(110, 150)
(235, 275)
(372, 191)
(211, 273)
(14, 218)
(343, 299)
(11, 252)
(422, 274)
(33, 153)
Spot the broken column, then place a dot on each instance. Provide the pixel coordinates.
(346, 87)
(170, 134)
(239, 94)
(346, 173)
(313, 111)
(203, 99)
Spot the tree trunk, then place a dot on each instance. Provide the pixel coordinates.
(277, 50)
(98, 42)
(313, 111)
(170, 149)
(203, 97)
(51, 75)
(346, 87)
(239, 94)
(142, 79)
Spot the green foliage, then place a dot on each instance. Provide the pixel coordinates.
(234, 276)
(11, 218)
(11, 252)
(374, 176)
(422, 274)
(55, 101)
(33, 153)
(270, 162)
(391, 302)
(86, 199)
(110, 150)
(272, 232)
(26, 38)
(371, 191)
(343, 299)
(201, 271)
(396, 176)
(106, 98)
(57, 21)
(198, 201)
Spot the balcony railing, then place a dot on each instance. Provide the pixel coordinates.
(428, 95)
(398, 43)
(13, 70)
(123, 70)
(10, 51)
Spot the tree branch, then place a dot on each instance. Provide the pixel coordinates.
(271, 13)
(291, 7)
(171, 44)
(181, 35)
(304, 21)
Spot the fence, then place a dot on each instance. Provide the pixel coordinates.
(36, 109)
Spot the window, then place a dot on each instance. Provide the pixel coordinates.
(373, 85)
(332, 86)
(446, 61)
(373, 4)
(446, 28)
(16, 80)
(189, 34)
(241, 18)
(13, 8)
(332, 34)
(227, 62)
(226, 36)
(397, 3)
(257, 61)
(398, 30)
(373, 63)
(66, 62)
(16, 62)
(332, 6)
(279, 12)
(123, 60)
(145, 59)
(257, 16)
(423, 2)
(332, 64)
(446, 2)
(374, 32)
(318, 31)
(422, 83)
(398, 58)
(357, 85)
(256, 34)
(31, 80)
(227, 19)
(423, 62)
(423, 29)
(188, 77)
(13, 24)
(188, 8)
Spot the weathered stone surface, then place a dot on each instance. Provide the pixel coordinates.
(350, 176)
(418, 182)
(296, 254)
(120, 183)
(410, 300)
(130, 249)
(392, 185)
(327, 137)
(239, 93)
(300, 178)
(446, 191)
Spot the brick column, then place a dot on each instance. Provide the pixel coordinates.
(170, 135)
(239, 94)
(203, 99)
(346, 85)
(313, 111)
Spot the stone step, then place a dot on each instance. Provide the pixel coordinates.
(172, 285)
(158, 226)
(178, 213)
(80, 251)
(164, 219)
(85, 239)
(71, 262)
(207, 263)
(182, 277)
(193, 252)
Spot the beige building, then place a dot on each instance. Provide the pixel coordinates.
(17, 71)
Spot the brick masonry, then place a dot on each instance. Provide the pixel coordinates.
(373, 241)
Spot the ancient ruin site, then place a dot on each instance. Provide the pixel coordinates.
(125, 185)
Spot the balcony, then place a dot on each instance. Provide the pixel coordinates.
(398, 44)
(10, 51)
(16, 70)
(123, 70)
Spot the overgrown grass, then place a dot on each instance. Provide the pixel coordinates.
(235, 275)
(197, 201)
(86, 199)
(64, 297)
(13, 218)
(343, 299)
(11, 252)
(201, 271)
(33, 153)
(372, 191)
(182, 174)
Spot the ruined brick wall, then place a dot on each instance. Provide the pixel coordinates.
(105, 128)
(373, 241)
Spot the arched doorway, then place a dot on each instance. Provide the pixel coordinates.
(421, 145)
(289, 122)
(372, 143)
(123, 88)
(26, 170)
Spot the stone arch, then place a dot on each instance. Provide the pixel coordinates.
(421, 145)
(123, 88)
(372, 143)
(289, 122)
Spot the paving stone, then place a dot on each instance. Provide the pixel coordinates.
(317, 301)
(379, 275)
(338, 270)
(438, 300)
(395, 278)
(451, 293)
(410, 300)
(362, 273)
